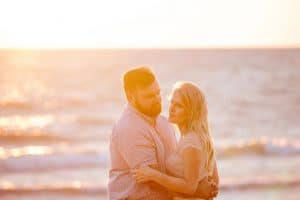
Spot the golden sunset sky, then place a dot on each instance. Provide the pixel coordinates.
(149, 24)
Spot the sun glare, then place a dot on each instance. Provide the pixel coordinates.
(23, 123)
(27, 150)
(134, 23)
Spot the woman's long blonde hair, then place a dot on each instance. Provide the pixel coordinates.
(195, 106)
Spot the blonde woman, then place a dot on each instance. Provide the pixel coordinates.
(194, 158)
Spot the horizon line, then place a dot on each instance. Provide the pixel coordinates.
(153, 48)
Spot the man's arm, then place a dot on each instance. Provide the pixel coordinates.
(186, 185)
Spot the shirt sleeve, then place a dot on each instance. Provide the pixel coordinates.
(137, 148)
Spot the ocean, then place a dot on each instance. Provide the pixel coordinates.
(57, 108)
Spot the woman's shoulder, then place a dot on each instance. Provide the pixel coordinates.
(192, 137)
(191, 140)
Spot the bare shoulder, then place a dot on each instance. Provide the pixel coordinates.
(191, 139)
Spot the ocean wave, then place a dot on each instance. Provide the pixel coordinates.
(28, 136)
(21, 105)
(78, 187)
(93, 120)
(48, 162)
(72, 188)
(40, 104)
(244, 183)
(78, 155)
(275, 146)
(48, 128)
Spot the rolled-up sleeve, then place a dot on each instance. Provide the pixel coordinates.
(137, 148)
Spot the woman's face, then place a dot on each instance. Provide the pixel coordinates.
(177, 113)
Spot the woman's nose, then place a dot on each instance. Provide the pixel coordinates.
(158, 98)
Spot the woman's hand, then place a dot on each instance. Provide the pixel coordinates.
(143, 174)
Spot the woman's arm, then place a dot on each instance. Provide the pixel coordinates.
(209, 186)
(215, 175)
(187, 185)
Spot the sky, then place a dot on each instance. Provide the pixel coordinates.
(149, 24)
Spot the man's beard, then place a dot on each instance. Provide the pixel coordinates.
(153, 111)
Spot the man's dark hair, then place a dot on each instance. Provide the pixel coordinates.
(138, 76)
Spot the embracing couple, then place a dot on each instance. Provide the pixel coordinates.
(146, 160)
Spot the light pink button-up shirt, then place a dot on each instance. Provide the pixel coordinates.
(136, 141)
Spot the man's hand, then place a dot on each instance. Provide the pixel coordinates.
(143, 174)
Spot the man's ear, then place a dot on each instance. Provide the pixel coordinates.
(131, 97)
